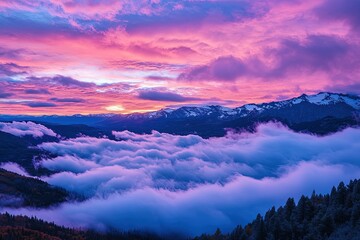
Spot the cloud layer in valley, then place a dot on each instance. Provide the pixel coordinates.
(187, 184)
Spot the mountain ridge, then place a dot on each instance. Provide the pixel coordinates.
(321, 113)
(211, 121)
(321, 98)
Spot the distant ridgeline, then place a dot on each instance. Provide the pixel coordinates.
(321, 114)
(331, 216)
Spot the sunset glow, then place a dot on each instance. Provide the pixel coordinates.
(106, 56)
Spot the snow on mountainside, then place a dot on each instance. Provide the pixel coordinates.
(318, 99)
(220, 112)
(321, 113)
(325, 99)
(322, 99)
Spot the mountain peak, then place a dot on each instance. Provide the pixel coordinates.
(326, 98)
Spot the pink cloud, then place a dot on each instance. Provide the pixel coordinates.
(294, 45)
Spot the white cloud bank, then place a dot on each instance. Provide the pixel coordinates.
(21, 129)
(190, 185)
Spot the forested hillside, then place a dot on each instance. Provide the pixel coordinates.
(25, 228)
(331, 216)
(21, 191)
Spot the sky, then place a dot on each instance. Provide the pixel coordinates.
(91, 56)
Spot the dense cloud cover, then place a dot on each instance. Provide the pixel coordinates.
(188, 184)
(21, 129)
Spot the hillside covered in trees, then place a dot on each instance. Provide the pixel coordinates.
(330, 216)
(25, 228)
(21, 191)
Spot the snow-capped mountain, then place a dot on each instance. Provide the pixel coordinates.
(321, 99)
(320, 113)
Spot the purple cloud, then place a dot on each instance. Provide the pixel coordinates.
(317, 53)
(62, 80)
(164, 96)
(329, 54)
(339, 10)
(152, 66)
(68, 81)
(227, 68)
(30, 26)
(39, 104)
(11, 69)
(5, 94)
(10, 53)
(190, 15)
(68, 100)
(350, 88)
(37, 91)
(160, 78)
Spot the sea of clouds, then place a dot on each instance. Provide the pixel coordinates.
(190, 185)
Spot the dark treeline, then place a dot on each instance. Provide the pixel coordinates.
(332, 216)
(26, 228)
(21, 191)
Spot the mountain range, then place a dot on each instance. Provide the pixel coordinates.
(322, 113)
